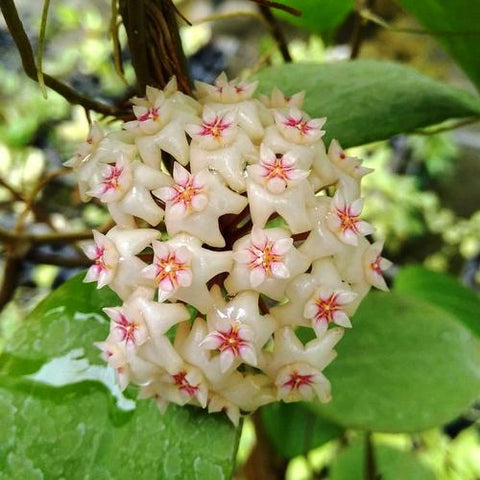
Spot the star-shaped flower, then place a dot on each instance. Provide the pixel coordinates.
(344, 220)
(126, 189)
(278, 99)
(215, 130)
(238, 322)
(298, 127)
(265, 261)
(182, 269)
(292, 205)
(95, 135)
(195, 202)
(297, 367)
(317, 299)
(115, 261)
(277, 172)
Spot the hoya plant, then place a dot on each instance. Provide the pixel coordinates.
(228, 295)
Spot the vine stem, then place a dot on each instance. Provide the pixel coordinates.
(15, 26)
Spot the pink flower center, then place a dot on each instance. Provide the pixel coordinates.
(99, 260)
(277, 169)
(376, 265)
(127, 329)
(326, 308)
(185, 193)
(264, 257)
(150, 114)
(231, 340)
(296, 380)
(301, 124)
(348, 219)
(168, 267)
(180, 380)
(111, 178)
(214, 128)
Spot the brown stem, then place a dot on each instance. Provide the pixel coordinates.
(263, 462)
(11, 238)
(276, 32)
(279, 6)
(370, 461)
(358, 25)
(154, 43)
(59, 260)
(11, 271)
(24, 47)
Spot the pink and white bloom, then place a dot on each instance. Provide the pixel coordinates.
(265, 257)
(350, 165)
(279, 100)
(277, 172)
(375, 265)
(187, 385)
(187, 194)
(225, 91)
(234, 341)
(216, 129)
(344, 220)
(152, 112)
(105, 259)
(116, 179)
(127, 326)
(327, 306)
(95, 136)
(171, 269)
(298, 127)
(300, 381)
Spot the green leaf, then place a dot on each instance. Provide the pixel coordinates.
(365, 101)
(77, 432)
(455, 24)
(391, 464)
(405, 366)
(442, 290)
(294, 429)
(62, 415)
(318, 16)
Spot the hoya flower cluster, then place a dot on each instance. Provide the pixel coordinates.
(234, 228)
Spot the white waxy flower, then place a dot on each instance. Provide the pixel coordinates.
(277, 172)
(126, 189)
(105, 257)
(229, 161)
(265, 261)
(344, 220)
(152, 112)
(187, 385)
(279, 100)
(215, 131)
(234, 341)
(115, 261)
(194, 204)
(182, 269)
(349, 165)
(95, 135)
(218, 403)
(225, 91)
(171, 269)
(317, 298)
(298, 127)
(127, 326)
(300, 381)
(241, 311)
(291, 358)
(327, 306)
(292, 205)
(375, 265)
